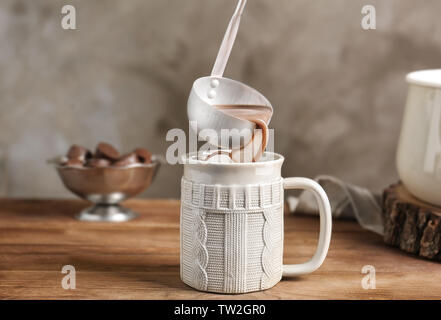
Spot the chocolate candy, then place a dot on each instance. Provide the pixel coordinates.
(74, 163)
(78, 152)
(98, 163)
(105, 156)
(143, 155)
(127, 160)
(105, 150)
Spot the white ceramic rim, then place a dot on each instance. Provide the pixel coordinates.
(186, 159)
(426, 78)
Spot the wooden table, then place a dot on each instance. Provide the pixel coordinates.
(140, 259)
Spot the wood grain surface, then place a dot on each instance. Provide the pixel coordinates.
(140, 259)
(411, 224)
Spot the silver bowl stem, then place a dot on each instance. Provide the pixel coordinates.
(106, 213)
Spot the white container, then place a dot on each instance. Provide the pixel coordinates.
(419, 149)
(232, 225)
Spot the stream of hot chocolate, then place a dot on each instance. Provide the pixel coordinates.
(260, 115)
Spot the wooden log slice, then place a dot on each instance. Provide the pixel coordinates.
(411, 224)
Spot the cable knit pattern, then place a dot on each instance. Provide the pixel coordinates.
(267, 253)
(231, 236)
(200, 251)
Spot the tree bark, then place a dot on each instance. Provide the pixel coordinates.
(411, 224)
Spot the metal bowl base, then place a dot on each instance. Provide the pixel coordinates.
(106, 213)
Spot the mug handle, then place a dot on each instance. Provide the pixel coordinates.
(325, 226)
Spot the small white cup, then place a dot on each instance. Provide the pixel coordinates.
(232, 225)
(419, 148)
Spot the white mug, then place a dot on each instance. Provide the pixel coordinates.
(419, 148)
(232, 225)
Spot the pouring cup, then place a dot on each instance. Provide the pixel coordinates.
(207, 92)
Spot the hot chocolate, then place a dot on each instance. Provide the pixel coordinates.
(260, 115)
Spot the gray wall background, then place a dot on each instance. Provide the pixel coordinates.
(124, 76)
